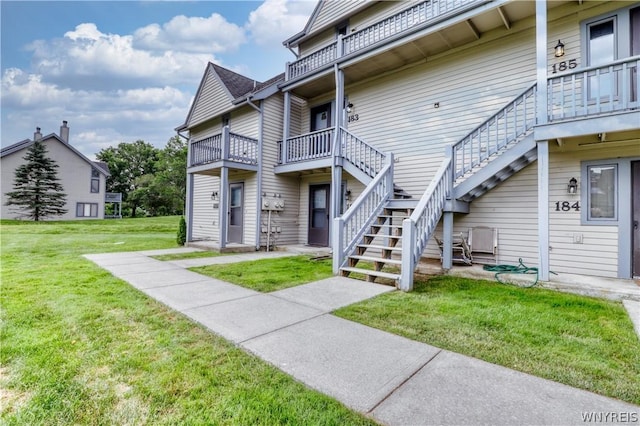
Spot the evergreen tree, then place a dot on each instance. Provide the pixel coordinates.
(37, 192)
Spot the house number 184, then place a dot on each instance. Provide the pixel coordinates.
(565, 206)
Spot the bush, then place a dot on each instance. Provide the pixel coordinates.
(182, 231)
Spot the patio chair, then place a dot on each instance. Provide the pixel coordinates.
(461, 250)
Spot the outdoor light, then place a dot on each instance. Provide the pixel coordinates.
(214, 196)
(572, 188)
(349, 108)
(559, 49)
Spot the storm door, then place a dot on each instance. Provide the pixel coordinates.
(319, 215)
(236, 212)
(635, 202)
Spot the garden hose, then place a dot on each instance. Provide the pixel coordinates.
(521, 268)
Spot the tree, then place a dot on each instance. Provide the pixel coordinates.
(127, 162)
(171, 173)
(37, 191)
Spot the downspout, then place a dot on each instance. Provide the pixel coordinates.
(259, 159)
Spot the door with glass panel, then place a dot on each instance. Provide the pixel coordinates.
(602, 50)
(635, 225)
(319, 215)
(236, 213)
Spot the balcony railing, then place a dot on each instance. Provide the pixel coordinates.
(310, 146)
(604, 89)
(418, 16)
(224, 146)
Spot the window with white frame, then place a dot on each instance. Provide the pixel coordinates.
(601, 193)
(87, 210)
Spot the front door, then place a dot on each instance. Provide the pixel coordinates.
(321, 117)
(635, 225)
(319, 215)
(236, 213)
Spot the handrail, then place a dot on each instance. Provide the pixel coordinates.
(224, 146)
(412, 18)
(359, 153)
(308, 146)
(594, 90)
(351, 226)
(418, 228)
(504, 127)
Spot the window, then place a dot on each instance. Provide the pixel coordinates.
(95, 181)
(87, 210)
(600, 193)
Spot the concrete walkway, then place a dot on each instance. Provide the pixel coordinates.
(394, 380)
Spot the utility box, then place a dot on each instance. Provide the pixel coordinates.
(272, 204)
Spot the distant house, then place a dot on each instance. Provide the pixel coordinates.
(83, 180)
(511, 125)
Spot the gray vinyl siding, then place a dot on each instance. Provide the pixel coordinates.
(319, 41)
(245, 121)
(332, 12)
(206, 218)
(397, 112)
(212, 101)
(285, 186)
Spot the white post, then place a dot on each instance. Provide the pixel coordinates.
(224, 205)
(447, 240)
(408, 264)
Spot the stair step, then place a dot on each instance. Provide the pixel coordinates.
(379, 247)
(398, 237)
(377, 259)
(369, 272)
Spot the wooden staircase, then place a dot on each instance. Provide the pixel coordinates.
(377, 256)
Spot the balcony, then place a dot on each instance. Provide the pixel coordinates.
(415, 18)
(593, 100)
(306, 152)
(225, 149)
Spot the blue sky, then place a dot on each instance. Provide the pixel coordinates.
(119, 71)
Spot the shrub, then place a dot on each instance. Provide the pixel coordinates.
(182, 231)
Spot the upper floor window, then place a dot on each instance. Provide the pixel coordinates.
(342, 28)
(95, 181)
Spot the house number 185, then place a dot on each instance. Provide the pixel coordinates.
(564, 65)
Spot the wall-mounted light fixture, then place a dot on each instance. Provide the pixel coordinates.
(349, 108)
(347, 194)
(559, 49)
(215, 196)
(572, 188)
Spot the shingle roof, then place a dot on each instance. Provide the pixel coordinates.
(237, 84)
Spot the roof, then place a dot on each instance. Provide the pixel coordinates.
(240, 88)
(26, 143)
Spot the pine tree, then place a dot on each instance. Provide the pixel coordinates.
(37, 192)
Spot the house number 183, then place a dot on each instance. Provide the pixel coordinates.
(565, 206)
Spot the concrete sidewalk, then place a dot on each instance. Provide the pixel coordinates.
(395, 380)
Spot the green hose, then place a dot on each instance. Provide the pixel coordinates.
(521, 268)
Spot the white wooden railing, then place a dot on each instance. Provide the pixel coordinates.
(350, 227)
(359, 153)
(418, 228)
(224, 146)
(415, 17)
(492, 136)
(309, 146)
(594, 90)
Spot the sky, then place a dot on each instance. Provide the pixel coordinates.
(121, 71)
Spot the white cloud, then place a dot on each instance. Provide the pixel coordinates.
(277, 20)
(191, 34)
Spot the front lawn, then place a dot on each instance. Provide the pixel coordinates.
(583, 342)
(268, 275)
(82, 347)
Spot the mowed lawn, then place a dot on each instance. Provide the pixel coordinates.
(82, 347)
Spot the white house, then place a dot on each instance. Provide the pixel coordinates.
(83, 180)
(514, 124)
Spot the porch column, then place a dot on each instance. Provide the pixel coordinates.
(336, 168)
(543, 146)
(188, 213)
(286, 125)
(224, 205)
(447, 240)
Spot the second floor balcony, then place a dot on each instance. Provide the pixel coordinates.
(225, 149)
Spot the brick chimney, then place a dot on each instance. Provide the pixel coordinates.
(64, 132)
(37, 135)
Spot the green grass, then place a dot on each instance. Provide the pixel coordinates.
(190, 255)
(583, 342)
(82, 347)
(270, 274)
